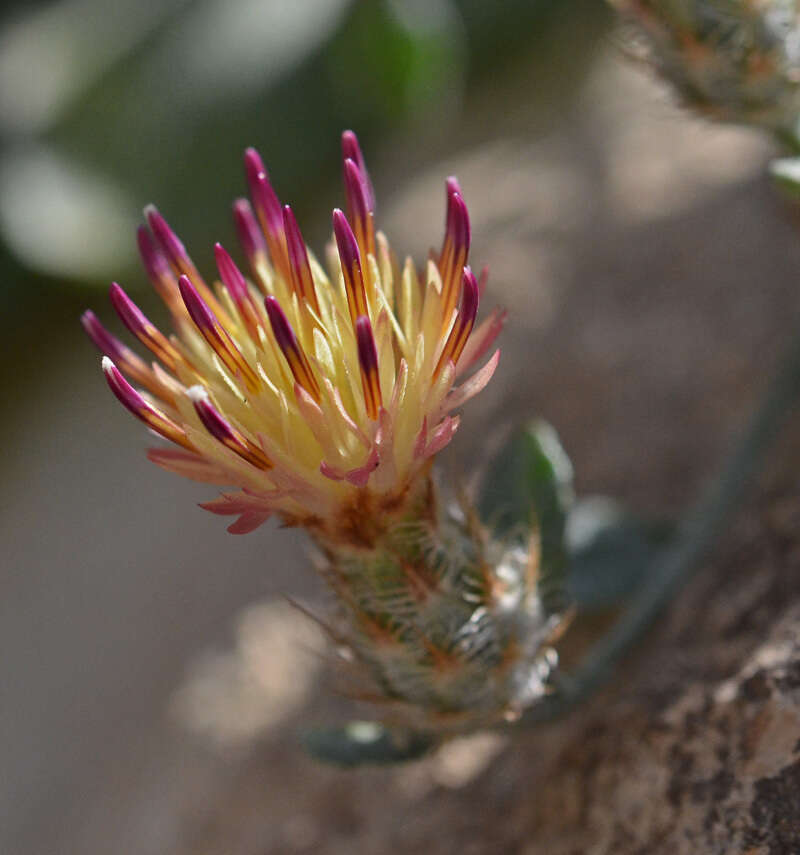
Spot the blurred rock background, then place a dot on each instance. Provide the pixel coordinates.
(153, 678)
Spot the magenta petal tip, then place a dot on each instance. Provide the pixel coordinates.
(458, 221)
(281, 328)
(350, 146)
(130, 314)
(102, 339)
(345, 239)
(367, 352)
(470, 295)
(230, 274)
(247, 229)
(265, 200)
(298, 255)
(358, 200)
(126, 394)
(198, 310)
(293, 233)
(169, 242)
(154, 261)
(352, 150)
(211, 418)
(253, 163)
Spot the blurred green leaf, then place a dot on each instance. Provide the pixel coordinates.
(610, 552)
(396, 60)
(361, 743)
(785, 172)
(529, 485)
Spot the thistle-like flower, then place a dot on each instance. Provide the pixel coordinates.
(733, 60)
(323, 399)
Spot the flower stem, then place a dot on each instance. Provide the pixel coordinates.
(698, 530)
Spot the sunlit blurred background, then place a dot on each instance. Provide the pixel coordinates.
(148, 658)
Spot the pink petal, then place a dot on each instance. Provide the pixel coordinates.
(481, 339)
(421, 440)
(247, 523)
(191, 466)
(469, 388)
(331, 471)
(360, 476)
(443, 433)
(252, 509)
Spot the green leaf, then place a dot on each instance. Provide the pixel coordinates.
(785, 172)
(360, 743)
(529, 484)
(610, 552)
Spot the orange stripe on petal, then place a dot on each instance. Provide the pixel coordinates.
(368, 363)
(216, 336)
(223, 431)
(291, 349)
(179, 259)
(465, 320)
(455, 248)
(358, 208)
(147, 333)
(302, 279)
(350, 259)
(136, 404)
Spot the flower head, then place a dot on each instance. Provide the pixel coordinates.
(309, 391)
(323, 398)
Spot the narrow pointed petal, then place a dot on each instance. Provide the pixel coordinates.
(230, 274)
(130, 362)
(465, 320)
(265, 201)
(214, 333)
(179, 260)
(252, 512)
(136, 404)
(168, 241)
(368, 362)
(455, 249)
(291, 349)
(350, 259)
(193, 466)
(159, 272)
(154, 261)
(352, 150)
(441, 436)
(248, 231)
(236, 285)
(358, 208)
(108, 344)
(482, 339)
(248, 522)
(359, 477)
(302, 279)
(470, 387)
(138, 324)
(224, 432)
(267, 207)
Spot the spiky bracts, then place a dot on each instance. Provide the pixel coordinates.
(732, 60)
(323, 399)
(447, 621)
